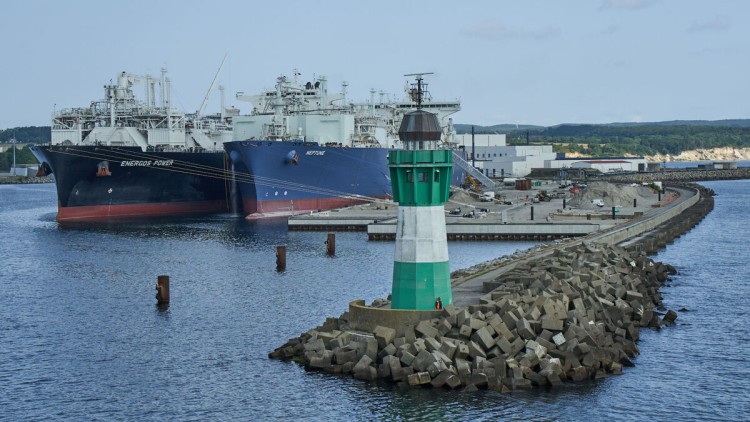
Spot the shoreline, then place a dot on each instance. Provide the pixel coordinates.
(24, 180)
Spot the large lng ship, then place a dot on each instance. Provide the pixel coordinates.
(123, 157)
(302, 149)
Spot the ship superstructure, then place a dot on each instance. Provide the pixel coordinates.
(121, 119)
(307, 112)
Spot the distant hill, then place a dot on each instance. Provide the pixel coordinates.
(584, 127)
(504, 128)
(26, 135)
(620, 139)
(716, 123)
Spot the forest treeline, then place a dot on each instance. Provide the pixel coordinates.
(23, 135)
(26, 135)
(23, 156)
(621, 139)
(611, 140)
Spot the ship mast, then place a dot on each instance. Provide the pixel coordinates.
(419, 90)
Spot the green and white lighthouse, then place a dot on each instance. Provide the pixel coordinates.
(420, 177)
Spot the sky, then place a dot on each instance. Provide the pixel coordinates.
(518, 62)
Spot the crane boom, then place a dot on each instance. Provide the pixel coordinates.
(211, 88)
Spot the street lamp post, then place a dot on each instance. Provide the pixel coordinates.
(13, 141)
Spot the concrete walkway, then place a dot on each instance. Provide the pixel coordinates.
(468, 290)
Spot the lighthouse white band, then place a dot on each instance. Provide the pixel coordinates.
(420, 235)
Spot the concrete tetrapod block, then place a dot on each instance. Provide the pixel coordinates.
(372, 348)
(444, 327)
(510, 320)
(483, 338)
(345, 355)
(384, 335)
(441, 379)
(517, 345)
(315, 345)
(478, 379)
(551, 323)
(399, 341)
(384, 370)
(423, 360)
(442, 357)
(448, 348)
(394, 367)
(436, 368)
(476, 323)
(409, 334)
(502, 330)
(431, 344)
(558, 339)
(505, 345)
(426, 329)
(406, 358)
(494, 352)
(536, 348)
(362, 370)
(462, 352)
(524, 329)
(670, 317)
(413, 379)
(453, 382)
(322, 361)
(336, 343)
(476, 350)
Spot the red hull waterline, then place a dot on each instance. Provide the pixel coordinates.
(106, 212)
(285, 208)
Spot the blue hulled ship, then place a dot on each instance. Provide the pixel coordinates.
(304, 150)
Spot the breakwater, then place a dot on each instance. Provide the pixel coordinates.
(573, 314)
(23, 180)
(679, 175)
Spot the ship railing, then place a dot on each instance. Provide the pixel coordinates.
(472, 171)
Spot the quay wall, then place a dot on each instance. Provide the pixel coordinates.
(23, 180)
(649, 241)
(652, 220)
(484, 231)
(366, 318)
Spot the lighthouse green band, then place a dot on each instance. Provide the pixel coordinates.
(418, 285)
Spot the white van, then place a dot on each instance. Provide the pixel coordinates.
(597, 202)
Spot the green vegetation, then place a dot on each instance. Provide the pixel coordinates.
(26, 135)
(23, 135)
(632, 139)
(23, 156)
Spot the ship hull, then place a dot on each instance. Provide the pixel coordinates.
(279, 179)
(101, 183)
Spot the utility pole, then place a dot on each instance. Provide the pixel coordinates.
(13, 141)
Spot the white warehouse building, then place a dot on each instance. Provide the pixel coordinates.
(508, 161)
(602, 164)
(494, 158)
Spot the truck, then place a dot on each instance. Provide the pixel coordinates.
(544, 196)
(487, 197)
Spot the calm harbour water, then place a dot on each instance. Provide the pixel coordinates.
(81, 337)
